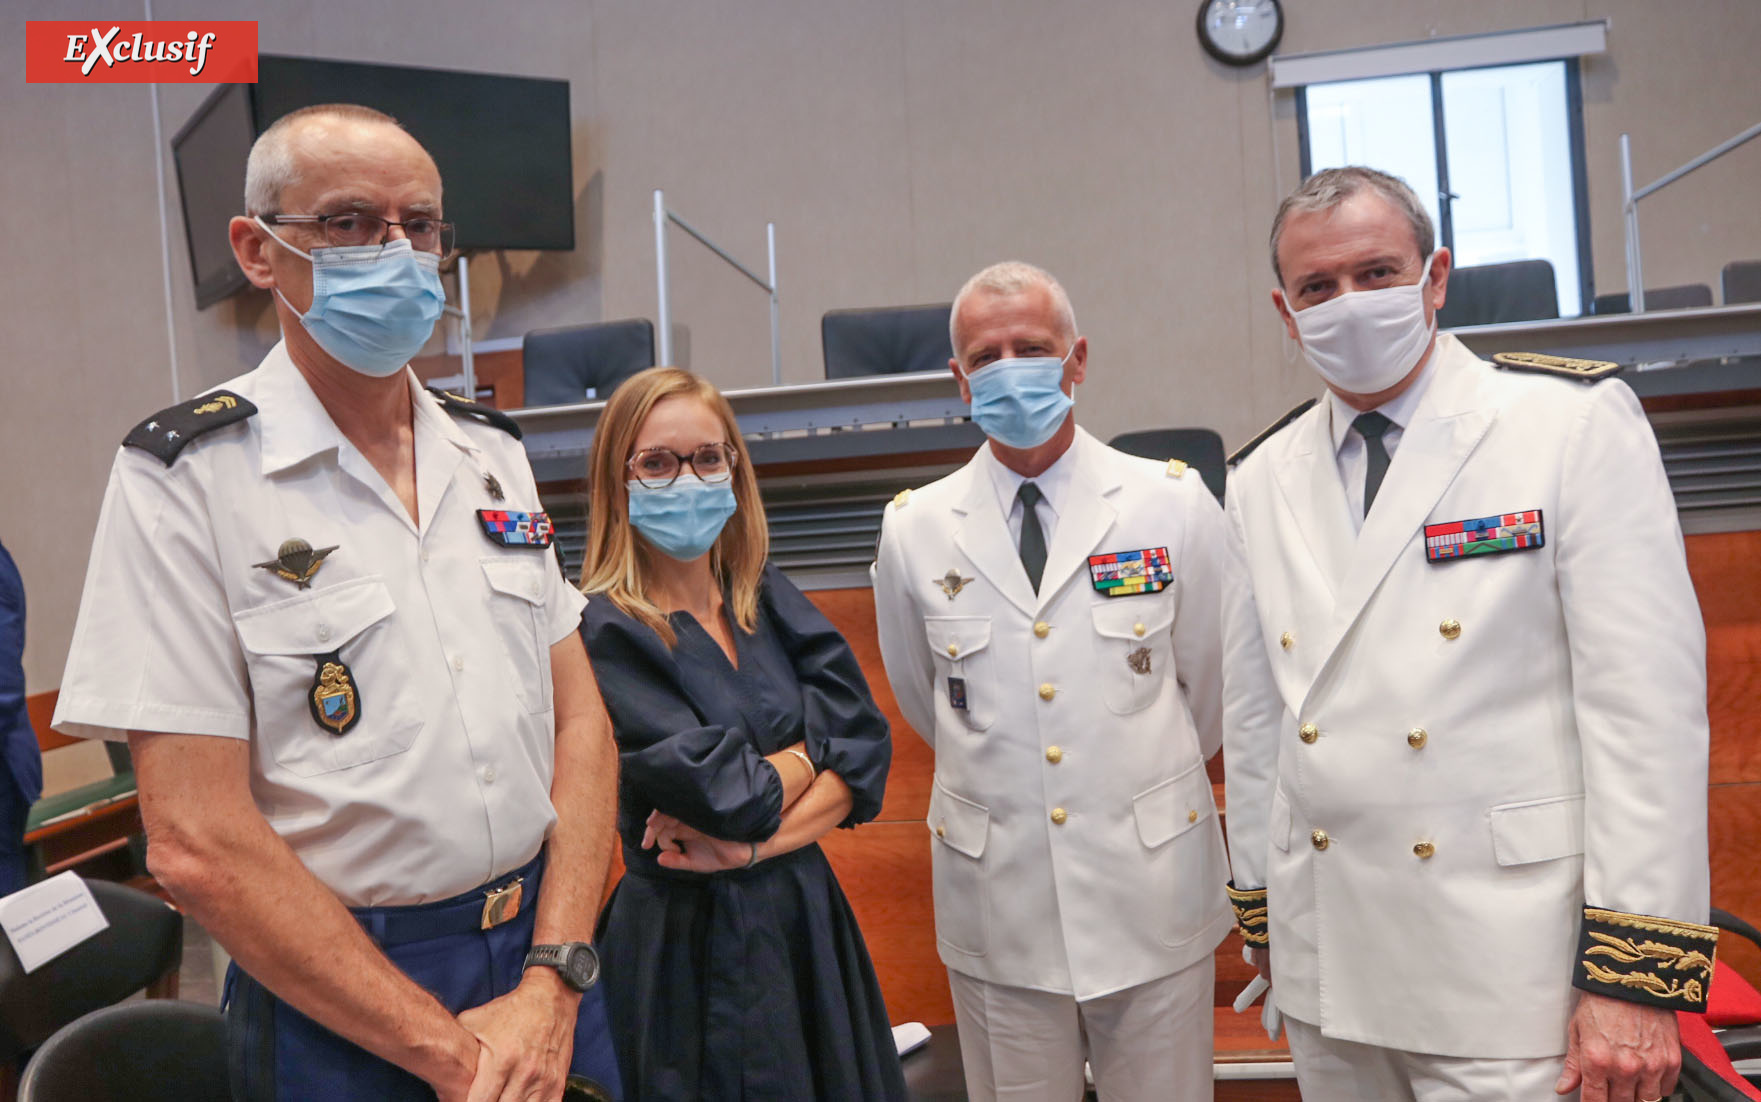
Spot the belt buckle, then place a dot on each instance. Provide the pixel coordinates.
(501, 904)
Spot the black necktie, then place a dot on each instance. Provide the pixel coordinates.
(1033, 537)
(1371, 426)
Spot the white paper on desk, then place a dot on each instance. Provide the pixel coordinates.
(48, 918)
(910, 1037)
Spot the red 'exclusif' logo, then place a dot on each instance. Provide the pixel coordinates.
(140, 51)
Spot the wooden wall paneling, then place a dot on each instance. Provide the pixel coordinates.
(1733, 701)
(1726, 567)
(884, 870)
(1258, 1090)
(851, 611)
(501, 373)
(1734, 811)
(41, 708)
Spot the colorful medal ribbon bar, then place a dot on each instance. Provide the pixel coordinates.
(1127, 573)
(509, 528)
(1458, 539)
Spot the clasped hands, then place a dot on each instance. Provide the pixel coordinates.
(519, 1045)
(687, 848)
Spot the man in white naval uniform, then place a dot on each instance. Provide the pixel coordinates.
(1049, 621)
(1467, 762)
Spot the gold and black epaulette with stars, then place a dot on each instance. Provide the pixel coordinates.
(489, 415)
(1656, 961)
(1569, 367)
(167, 432)
(1271, 430)
(1250, 913)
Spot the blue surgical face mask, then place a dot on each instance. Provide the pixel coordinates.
(1020, 402)
(684, 519)
(373, 306)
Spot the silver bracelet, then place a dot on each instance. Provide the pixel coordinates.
(812, 773)
(752, 860)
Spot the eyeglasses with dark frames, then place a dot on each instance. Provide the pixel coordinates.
(658, 468)
(352, 227)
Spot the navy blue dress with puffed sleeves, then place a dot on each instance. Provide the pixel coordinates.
(749, 984)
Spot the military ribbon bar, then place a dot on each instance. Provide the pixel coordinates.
(509, 528)
(1127, 573)
(1522, 531)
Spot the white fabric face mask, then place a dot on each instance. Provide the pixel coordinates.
(1363, 342)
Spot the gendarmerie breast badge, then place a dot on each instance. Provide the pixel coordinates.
(336, 702)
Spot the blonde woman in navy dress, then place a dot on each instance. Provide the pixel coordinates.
(745, 730)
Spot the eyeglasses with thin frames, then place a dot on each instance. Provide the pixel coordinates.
(658, 468)
(352, 228)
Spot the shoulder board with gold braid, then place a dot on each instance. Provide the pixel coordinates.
(1584, 371)
(166, 433)
(489, 415)
(1270, 431)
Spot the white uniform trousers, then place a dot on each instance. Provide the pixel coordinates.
(1331, 1070)
(1152, 1041)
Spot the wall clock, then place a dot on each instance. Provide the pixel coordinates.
(1240, 32)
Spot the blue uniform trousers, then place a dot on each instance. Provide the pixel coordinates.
(277, 1054)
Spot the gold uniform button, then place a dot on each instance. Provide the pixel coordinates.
(1192, 816)
(1138, 630)
(1287, 640)
(1449, 629)
(941, 830)
(1046, 692)
(953, 650)
(1042, 629)
(1054, 754)
(1416, 738)
(1058, 816)
(1423, 851)
(1319, 839)
(1308, 732)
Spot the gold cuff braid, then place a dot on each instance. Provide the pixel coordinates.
(1640, 958)
(1250, 914)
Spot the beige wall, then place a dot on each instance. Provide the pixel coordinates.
(897, 144)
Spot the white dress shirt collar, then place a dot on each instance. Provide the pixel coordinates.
(295, 425)
(1053, 483)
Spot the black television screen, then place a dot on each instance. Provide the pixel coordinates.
(210, 156)
(502, 144)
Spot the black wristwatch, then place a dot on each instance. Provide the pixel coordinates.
(576, 962)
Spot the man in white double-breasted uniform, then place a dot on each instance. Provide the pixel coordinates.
(1078, 862)
(1467, 758)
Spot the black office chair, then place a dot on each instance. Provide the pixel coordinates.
(1681, 297)
(159, 1051)
(890, 340)
(562, 365)
(1522, 290)
(142, 947)
(1200, 449)
(1742, 281)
